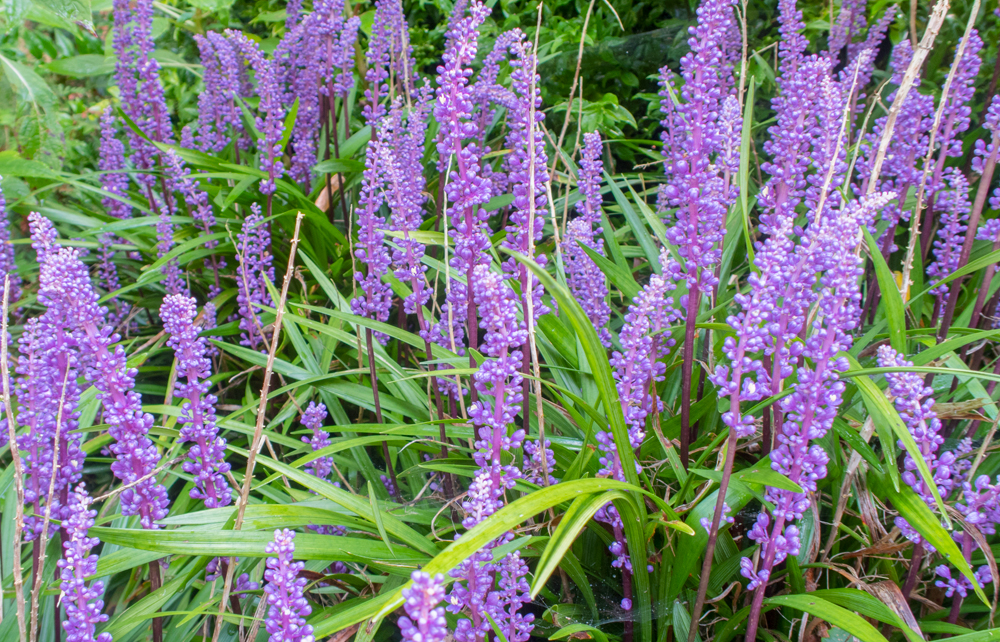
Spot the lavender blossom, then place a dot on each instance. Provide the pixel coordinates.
(219, 117)
(64, 285)
(953, 207)
(254, 270)
(585, 279)
(528, 175)
(272, 104)
(915, 402)
(513, 593)
(691, 139)
(48, 395)
(82, 603)
(467, 190)
(313, 418)
(207, 454)
(424, 620)
(376, 299)
(811, 408)
(288, 607)
(7, 265)
(114, 180)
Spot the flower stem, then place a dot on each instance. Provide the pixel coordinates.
(378, 405)
(686, 368)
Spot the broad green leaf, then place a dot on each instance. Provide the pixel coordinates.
(743, 178)
(920, 517)
(308, 546)
(836, 615)
(889, 295)
(867, 605)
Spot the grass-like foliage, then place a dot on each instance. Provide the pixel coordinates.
(330, 336)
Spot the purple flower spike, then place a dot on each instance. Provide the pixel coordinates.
(48, 395)
(498, 378)
(915, 402)
(585, 279)
(468, 188)
(526, 171)
(254, 270)
(288, 607)
(272, 104)
(207, 454)
(513, 593)
(313, 418)
(64, 284)
(114, 180)
(376, 298)
(953, 207)
(424, 620)
(691, 138)
(82, 603)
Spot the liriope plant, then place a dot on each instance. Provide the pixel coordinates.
(361, 351)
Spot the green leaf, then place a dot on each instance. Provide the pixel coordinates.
(920, 517)
(377, 512)
(836, 615)
(573, 521)
(858, 444)
(638, 228)
(889, 293)
(620, 276)
(867, 605)
(216, 543)
(77, 11)
(82, 66)
(339, 166)
(597, 357)
(743, 178)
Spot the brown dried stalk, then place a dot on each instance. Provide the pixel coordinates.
(18, 469)
(259, 427)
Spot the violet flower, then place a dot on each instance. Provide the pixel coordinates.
(179, 180)
(64, 285)
(48, 395)
(83, 603)
(915, 403)
(208, 452)
(219, 117)
(307, 67)
(513, 593)
(811, 408)
(7, 265)
(288, 607)
(114, 180)
(424, 620)
(584, 278)
(467, 189)
(953, 209)
(313, 418)
(254, 270)
(272, 104)
(528, 175)
(376, 298)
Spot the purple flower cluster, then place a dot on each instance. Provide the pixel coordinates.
(376, 298)
(114, 180)
(64, 285)
(82, 603)
(313, 418)
(226, 79)
(527, 174)
(424, 620)
(585, 279)
(254, 270)
(467, 187)
(915, 403)
(953, 209)
(693, 135)
(207, 454)
(811, 408)
(270, 89)
(401, 147)
(288, 607)
(638, 368)
(909, 141)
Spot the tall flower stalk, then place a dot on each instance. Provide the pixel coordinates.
(694, 186)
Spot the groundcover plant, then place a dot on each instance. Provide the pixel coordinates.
(361, 348)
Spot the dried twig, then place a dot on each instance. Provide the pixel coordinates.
(259, 428)
(18, 469)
